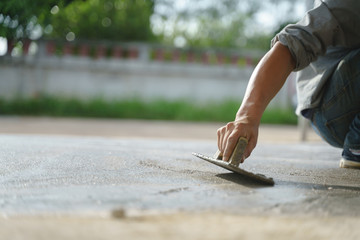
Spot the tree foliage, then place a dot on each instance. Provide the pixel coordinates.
(213, 23)
(207, 23)
(19, 18)
(120, 20)
(214, 32)
(204, 23)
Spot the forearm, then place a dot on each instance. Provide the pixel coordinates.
(265, 82)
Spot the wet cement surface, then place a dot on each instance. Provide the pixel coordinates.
(78, 175)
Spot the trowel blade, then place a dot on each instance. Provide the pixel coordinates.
(255, 176)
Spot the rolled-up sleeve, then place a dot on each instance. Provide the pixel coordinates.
(311, 36)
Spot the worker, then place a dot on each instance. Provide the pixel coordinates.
(324, 49)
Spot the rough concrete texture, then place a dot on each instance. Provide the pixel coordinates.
(79, 187)
(181, 226)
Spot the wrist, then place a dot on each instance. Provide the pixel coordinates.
(250, 115)
(251, 120)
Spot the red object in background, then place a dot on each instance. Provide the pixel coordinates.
(190, 57)
(235, 60)
(84, 50)
(206, 58)
(117, 52)
(26, 45)
(220, 58)
(100, 51)
(249, 61)
(133, 53)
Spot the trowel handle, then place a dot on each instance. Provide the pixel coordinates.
(237, 154)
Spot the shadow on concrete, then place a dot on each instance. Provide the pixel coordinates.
(251, 183)
(242, 180)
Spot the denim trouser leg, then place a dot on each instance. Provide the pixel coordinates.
(337, 119)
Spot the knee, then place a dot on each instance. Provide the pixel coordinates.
(332, 132)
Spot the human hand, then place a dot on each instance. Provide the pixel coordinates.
(228, 136)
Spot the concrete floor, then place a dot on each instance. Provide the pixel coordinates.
(136, 179)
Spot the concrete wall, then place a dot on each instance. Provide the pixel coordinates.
(87, 78)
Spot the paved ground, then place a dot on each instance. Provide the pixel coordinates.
(77, 179)
(136, 129)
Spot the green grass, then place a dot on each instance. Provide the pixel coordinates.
(181, 110)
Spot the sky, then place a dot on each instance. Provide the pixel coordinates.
(265, 18)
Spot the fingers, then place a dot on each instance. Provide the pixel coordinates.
(228, 131)
(220, 134)
(229, 135)
(250, 147)
(227, 139)
(223, 135)
(230, 146)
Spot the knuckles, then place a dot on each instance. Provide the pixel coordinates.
(221, 130)
(230, 125)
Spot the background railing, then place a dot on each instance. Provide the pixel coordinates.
(136, 51)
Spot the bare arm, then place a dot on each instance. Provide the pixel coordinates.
(265, 82)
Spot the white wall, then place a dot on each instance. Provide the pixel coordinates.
(86, 78)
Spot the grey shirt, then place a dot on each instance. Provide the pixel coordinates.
(318, 42)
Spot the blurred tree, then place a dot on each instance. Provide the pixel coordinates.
(21, 19)
(206, 23)
(121, 20)
(216, 32)
(213, 23)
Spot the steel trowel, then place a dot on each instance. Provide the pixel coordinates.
(234, 161)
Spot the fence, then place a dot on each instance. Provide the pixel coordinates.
(111, 70)
(116, 50)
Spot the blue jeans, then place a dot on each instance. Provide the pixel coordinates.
(337, 119)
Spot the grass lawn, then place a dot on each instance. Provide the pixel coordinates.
(181, 110)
